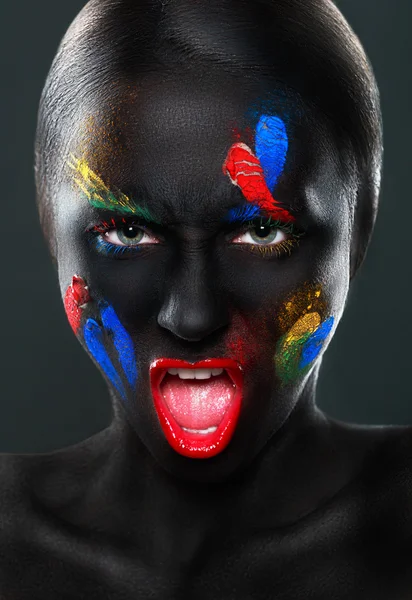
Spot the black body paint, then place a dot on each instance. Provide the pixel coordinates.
(298, 505)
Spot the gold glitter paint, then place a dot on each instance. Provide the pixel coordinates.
(306, 324)
(96, 191)
(289, 349)
(300, 317)
(101, 143)
(104, 136)
(308, 299)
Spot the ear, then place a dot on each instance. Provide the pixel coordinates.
(364, 221)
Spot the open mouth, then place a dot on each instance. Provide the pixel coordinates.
(198, 404)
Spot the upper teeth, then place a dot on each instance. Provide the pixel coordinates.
(195, 373)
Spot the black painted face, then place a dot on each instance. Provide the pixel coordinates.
(207, 223)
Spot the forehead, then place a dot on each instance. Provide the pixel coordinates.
(165, 140)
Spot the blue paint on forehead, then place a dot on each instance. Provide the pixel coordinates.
(271, 147)
(242, 213)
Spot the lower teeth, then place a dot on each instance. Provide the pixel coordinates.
(203, 431)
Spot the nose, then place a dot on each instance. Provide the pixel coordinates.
(193, 305)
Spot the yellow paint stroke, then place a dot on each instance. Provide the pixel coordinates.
(308, 299)
(94, 188)
(306, 324)
(290, 346)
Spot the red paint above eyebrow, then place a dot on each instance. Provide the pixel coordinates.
(245, 171)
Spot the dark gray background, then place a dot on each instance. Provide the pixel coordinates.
(51, 394)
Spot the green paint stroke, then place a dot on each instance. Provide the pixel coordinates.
(99, 195)
(289, 347)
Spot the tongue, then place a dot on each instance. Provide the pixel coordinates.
(198, 403)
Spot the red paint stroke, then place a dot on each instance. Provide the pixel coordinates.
(237, 347)
(245, 171)
(242, 344)
(105, 226)
(76, 297)
(249, 135)
(236, 133)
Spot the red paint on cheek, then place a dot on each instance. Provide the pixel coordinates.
(77, 295)
(243, 340)
(251, 340)
(236, 348)
(245, 171)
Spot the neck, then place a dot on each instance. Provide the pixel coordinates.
(273, 478)
(304, 415)
(130, 496)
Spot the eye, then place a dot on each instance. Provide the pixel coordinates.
(268, 238)
(128, 235)
(262, 234)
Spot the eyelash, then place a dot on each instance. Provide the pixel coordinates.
(112, 250)
(107, 248)
(279, 249)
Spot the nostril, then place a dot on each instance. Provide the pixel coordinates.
(191, 322)
(190, 331)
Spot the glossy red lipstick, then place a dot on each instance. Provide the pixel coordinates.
(189, 443)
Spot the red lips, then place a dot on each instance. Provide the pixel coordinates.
(189, 443)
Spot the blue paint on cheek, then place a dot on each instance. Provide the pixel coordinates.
(93, 336)
(122, 342)
(314, 344)
(271, 147)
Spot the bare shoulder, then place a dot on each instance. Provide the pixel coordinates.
(385, 451)
(388, 506)
(384, 472)
(12, 480)
(391, 470)
(37, 481)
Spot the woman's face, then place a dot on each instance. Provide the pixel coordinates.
(203, 251)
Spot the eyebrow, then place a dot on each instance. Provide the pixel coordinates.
(247, 211)
(242, 212)
(100, 196)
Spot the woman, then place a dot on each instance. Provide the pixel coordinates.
(208, 177)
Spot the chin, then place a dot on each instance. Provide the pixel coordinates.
(253, 429)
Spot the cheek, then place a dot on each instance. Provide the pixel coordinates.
(76, 298)
(250, 338)
(107, 341)
(308, 326)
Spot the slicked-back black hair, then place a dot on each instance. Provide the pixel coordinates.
(305, 44)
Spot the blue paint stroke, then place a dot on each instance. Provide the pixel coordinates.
(271, 147)
(112, 250)
(242, 213)
(314, 344)
(93, 336)
(122, 342)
